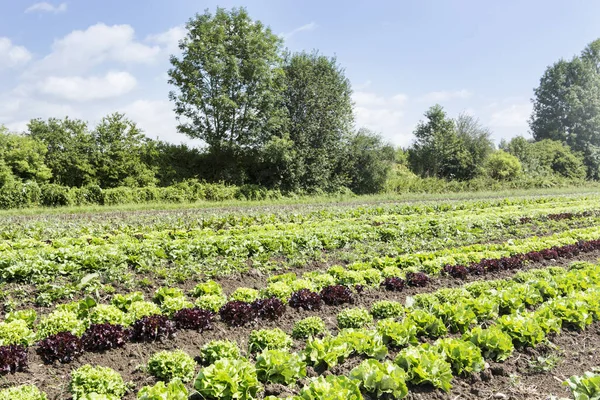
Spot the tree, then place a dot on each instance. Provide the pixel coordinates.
(503, 166)
(566, 106)
(477, 141)
(228, 82)
(437, 150)
(69, 149)
(319, 107)
(22, 157)
(369, 162)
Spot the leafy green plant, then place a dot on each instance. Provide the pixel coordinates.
(523, 330)
(364, 342)
(174, 390)
(169, 365)
(22, 392)
(165, 292)
(331, 387)
(280, 289)
(424, 364)
(585, 387)
(170, 305)
(387, 309)
(60, 321)
(107, 313)
(268, 339)
(211, 302)
(247, 295)
(456, 316)
(493, 342)
(217, 349)
(206, 288)
(326, 352)
(381, 378)
(87, 381)
(140, 309)
(124, 301)
(307, 327)
(427, 324)
(280, 366)
(227, 380)
(16, 332)
(464, 356)
(29, 316)
(397, 334)
(353, 318)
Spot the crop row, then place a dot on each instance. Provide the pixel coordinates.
(520, 312)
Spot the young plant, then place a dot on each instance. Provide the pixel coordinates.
(353, 318)
(269, 309)
(387, 309)
(63, 347)
(327, 352)
(427, 324)
(141, 309)
(124, 301)
(169, 365)
(102, 337)
(424, 364)
(336, 294)
(364, 342)
(397, 334)
(585, 387)
(88, 380)
(196, 319)
(13, 359)
(22, 392)
(107, 313)
(523, 330)
(281, 290)
(306, 300)
(217, 349)
(268, 339)
(29, 316)
(331, 387)
(237, 313)
(174, 390)
(279, 366)
(211, 302)
(207, 288)
(60, 321)
(381, 379)
(464, 356)
(493, 342)
(393, 284)
(16, 331)
(307, 327)
(247, 295)
(228, 380)
(152, 328)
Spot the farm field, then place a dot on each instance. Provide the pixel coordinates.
(448, 299)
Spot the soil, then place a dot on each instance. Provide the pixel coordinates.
(510, 380)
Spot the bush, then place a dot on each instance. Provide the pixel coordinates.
(353, 318)
(169, 365)
(227, 380)
(217, 349)
(503, 166)
(99, 380)
(308, 327)
(23, 392)
(268, 339)
(53, 195)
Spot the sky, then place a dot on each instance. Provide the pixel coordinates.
(88, 58)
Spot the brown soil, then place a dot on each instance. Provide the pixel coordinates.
(577, 349)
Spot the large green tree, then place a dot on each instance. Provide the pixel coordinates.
(22, 157)
(320, 116)
(566, 106)
(228, 82)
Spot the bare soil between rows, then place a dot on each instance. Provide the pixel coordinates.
(129, 361)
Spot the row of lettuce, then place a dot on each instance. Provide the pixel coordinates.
(492, 317)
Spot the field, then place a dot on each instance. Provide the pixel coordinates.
(440, 299)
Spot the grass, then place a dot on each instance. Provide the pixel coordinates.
(306, 200)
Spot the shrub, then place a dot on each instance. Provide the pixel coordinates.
(193, 318)
(152, 328)
(336, 294)
(53, 195)
(211, 302)
(98, 380)
(387, 309)
(353, 318)
(279, 366)
(270, 309)
(101, 337)
(306, 300)
(174, 390)
(227, 380)
(22, 392)
(13, 359)
(268, 339)
(169, 365)
(503, 166)
(63, 347)
(237, 313)
(217, 349)
(307, 327)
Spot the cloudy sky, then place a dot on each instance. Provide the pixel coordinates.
(88, 58)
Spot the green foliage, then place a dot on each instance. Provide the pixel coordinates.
(326, 352)
(174, 390)
(427, 324)
(503, 166)
(397, 334)
(169, 365)
(60, 321)
(206, 288)
(140, 309)
(88, 380)
(107, 313)
(23, 157)
(381, 379)
(363, 341)
(217, 349)
(523, 330)
(227, 380)
(164, 293)
(331, 387)
(493, 342)
(281, 290)
(173, 304)
(307, 327)
(387, 309)
(280, 366)
(464, 356)
(211, 302)
(456, 316)
(585, 387)
(268, 339)
(353, 318)
(22, 392)
(16, 332)
(247, 295)
(124, 301)
(29, 316)
(424, 364)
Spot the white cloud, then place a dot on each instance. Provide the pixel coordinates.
(381, 114)
(45, 7)
(77, 88)
(169, 40)
(11, 55)
(80, 50)
(440, 96)
(304, 28)
(510, 116)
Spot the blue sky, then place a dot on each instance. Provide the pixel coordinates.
(88, 58)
